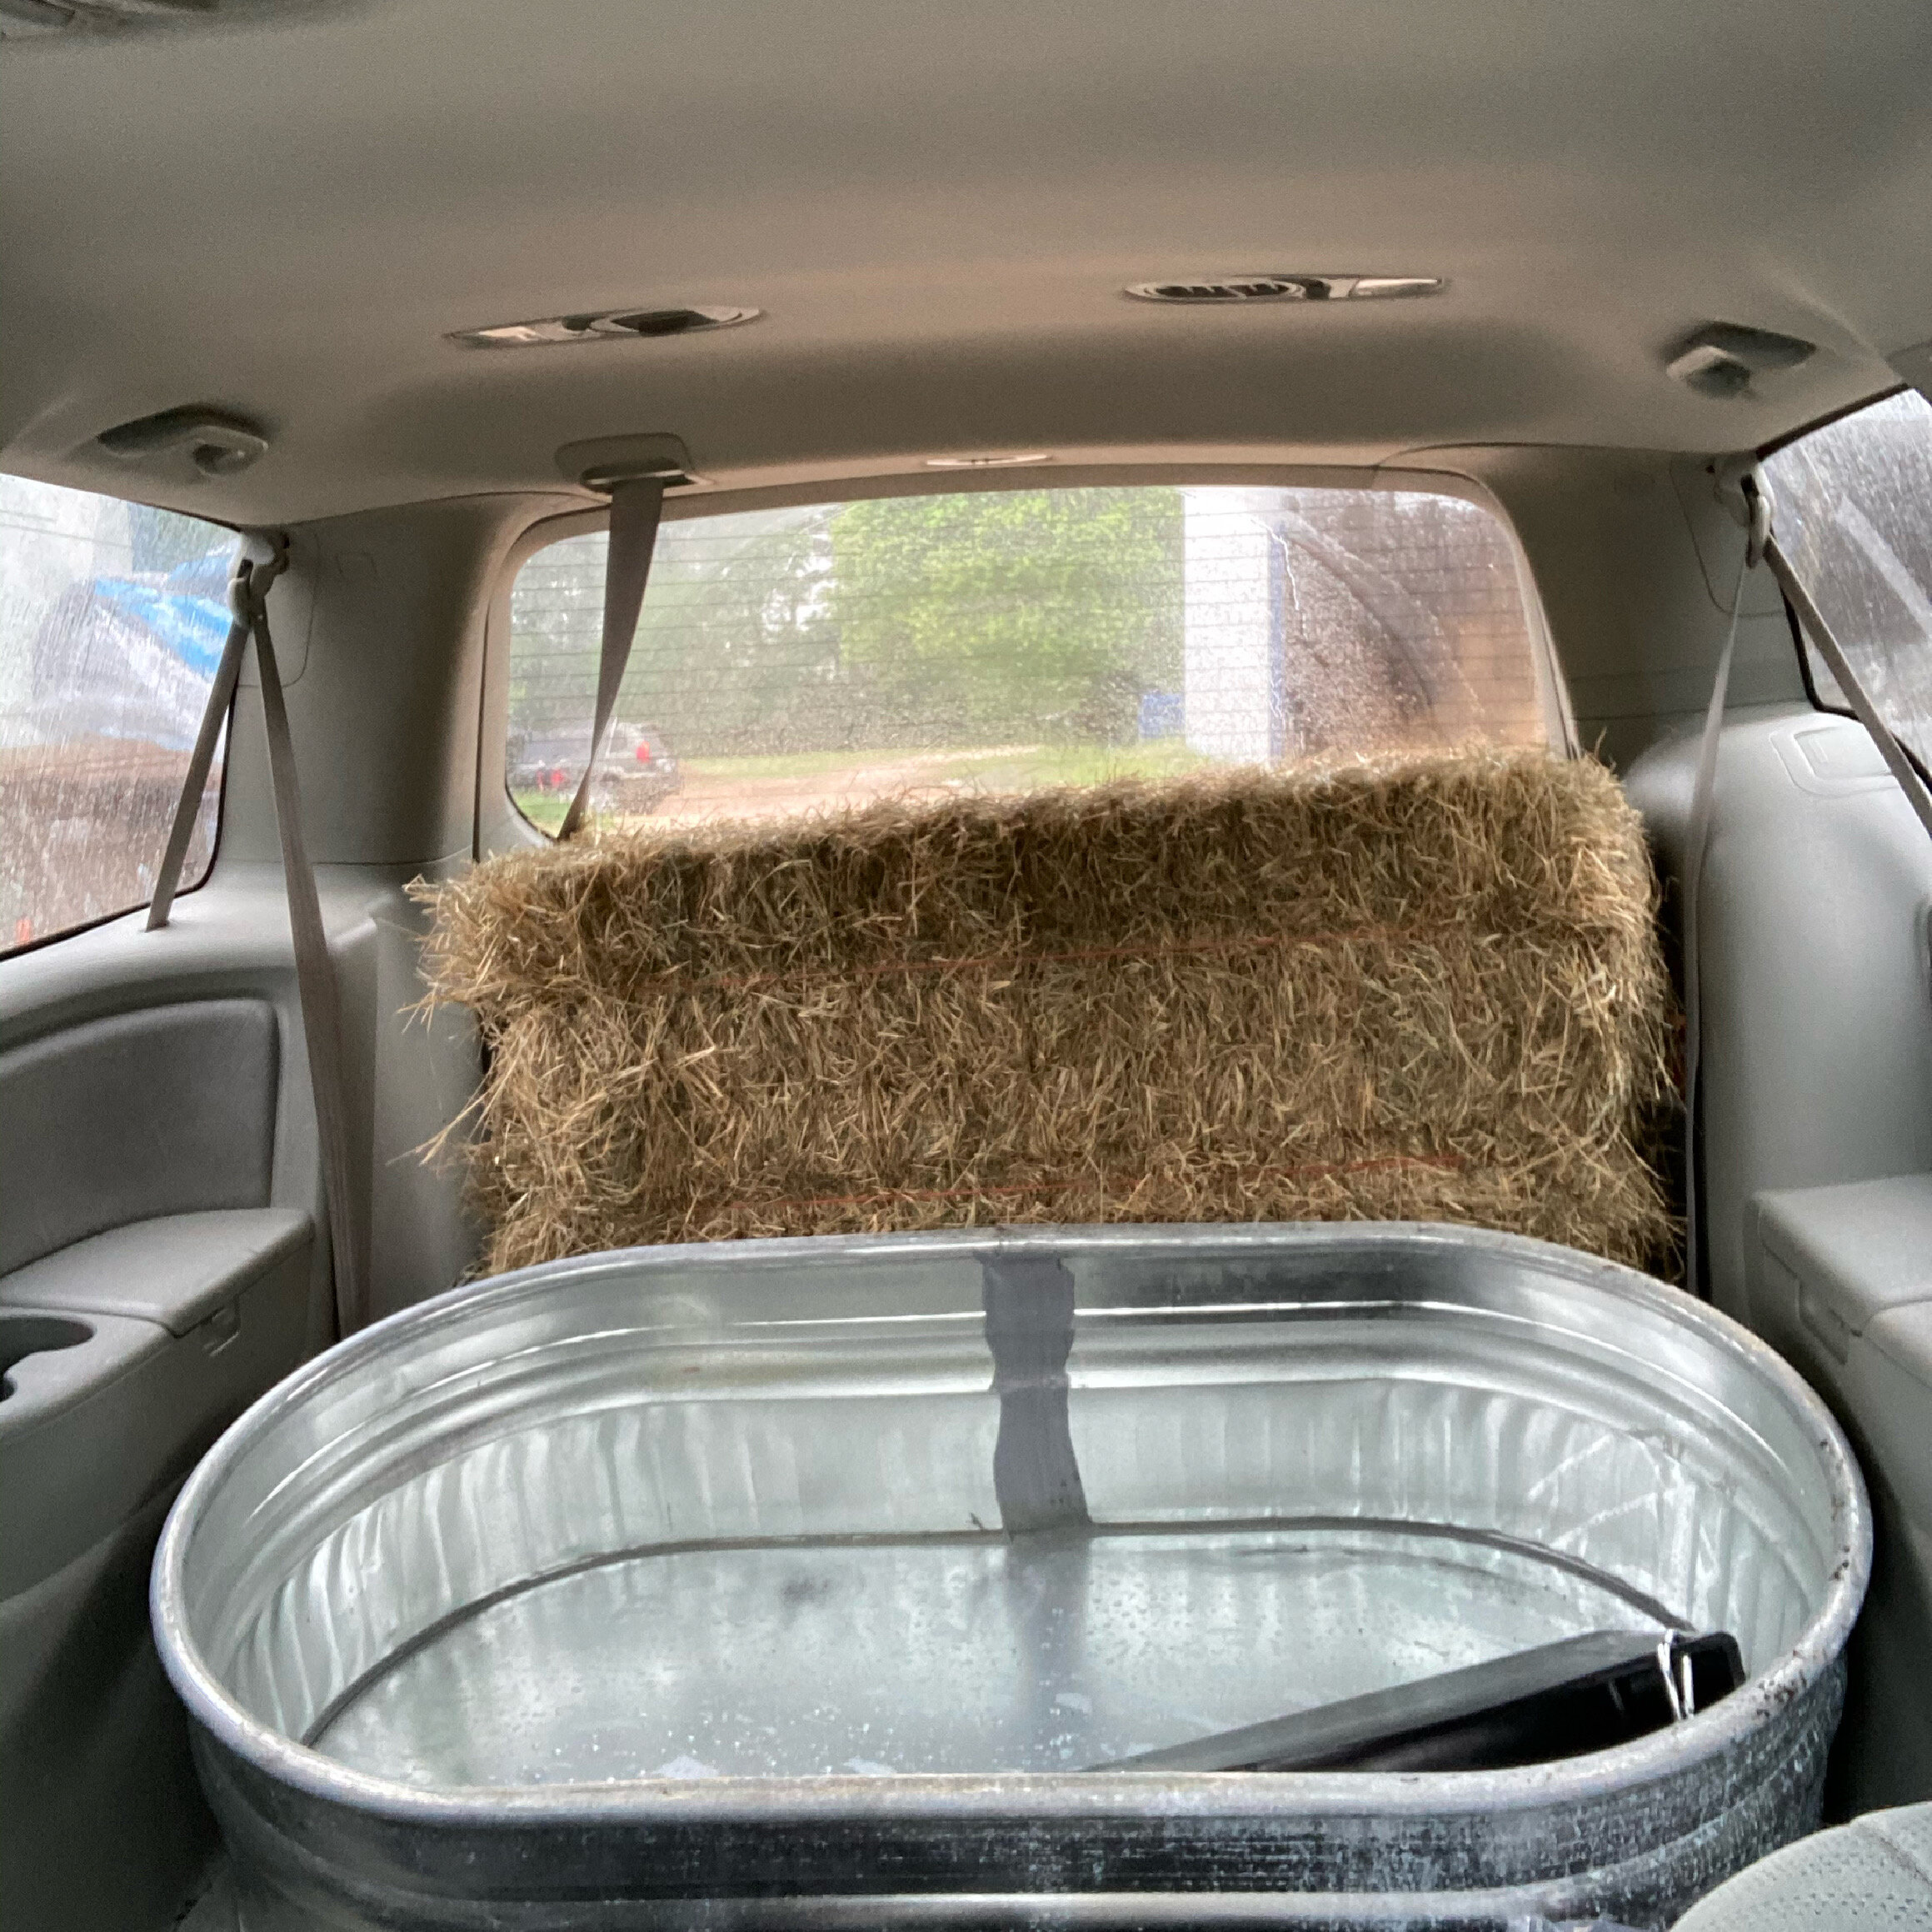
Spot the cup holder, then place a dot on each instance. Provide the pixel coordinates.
(21, 1335)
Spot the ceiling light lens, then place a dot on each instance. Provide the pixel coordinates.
(1014, 462)
(1395, 285)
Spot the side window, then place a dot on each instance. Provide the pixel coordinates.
(822, 655)
(111, 621)
(1853, 508)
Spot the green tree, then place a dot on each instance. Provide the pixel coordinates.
(981, 618)
(736, 651)
(990, 615)
(733, 647)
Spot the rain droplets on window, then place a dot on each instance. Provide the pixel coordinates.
(795, 659)
(111, 621)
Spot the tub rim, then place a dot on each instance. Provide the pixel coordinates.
(909, 1797)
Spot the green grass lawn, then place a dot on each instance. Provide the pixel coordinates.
(1013, 768)
(545, 809)
(998, 769)
(786, 764)
(1072, 764)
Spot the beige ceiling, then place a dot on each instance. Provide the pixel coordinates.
(936, 205)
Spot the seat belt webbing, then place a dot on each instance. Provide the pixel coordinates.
(1703, 794)
(188, 807)
(637, 503)
(315, 974)
(1809, 616)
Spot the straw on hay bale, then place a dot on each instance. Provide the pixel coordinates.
(1429, 989)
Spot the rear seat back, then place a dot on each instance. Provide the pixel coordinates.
(1874, 1872)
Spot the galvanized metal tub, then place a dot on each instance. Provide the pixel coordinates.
(794, 1582)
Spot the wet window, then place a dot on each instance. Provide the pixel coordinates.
(1854, 513)
(111, 621)
(794, 659)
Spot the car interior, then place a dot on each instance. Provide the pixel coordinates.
(1196, 449)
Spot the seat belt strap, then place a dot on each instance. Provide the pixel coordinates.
(1809, 616)
(188, 806)
(636, 505)
(248, 582)
(1703, 798)
(315, 978)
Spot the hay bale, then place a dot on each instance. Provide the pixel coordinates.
(1429, 989)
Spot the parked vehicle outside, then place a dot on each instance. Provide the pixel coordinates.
(636, 772)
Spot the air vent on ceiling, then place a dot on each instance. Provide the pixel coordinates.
(615, 325)
(26, 19)
(191, 442)
(1720, 359)
(1271, 287)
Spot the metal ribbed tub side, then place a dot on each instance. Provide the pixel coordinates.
(1178, 1850)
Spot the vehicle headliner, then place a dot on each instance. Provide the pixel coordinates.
(937, 206)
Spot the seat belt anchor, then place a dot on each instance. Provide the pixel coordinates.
(263, 557)
(1745, 493)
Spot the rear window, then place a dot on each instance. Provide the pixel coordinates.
(792, 660)
(111, 621)
(1854, 511)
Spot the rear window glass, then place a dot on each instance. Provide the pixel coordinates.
(792, 660)
(1854, 513)
(111, 621)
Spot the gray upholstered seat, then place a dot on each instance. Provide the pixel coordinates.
(1872, 1875)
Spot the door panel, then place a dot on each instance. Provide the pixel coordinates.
(160, 1080)
(160, 1266)
(163, 1244)
(159, 1111)
(84, 1709)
